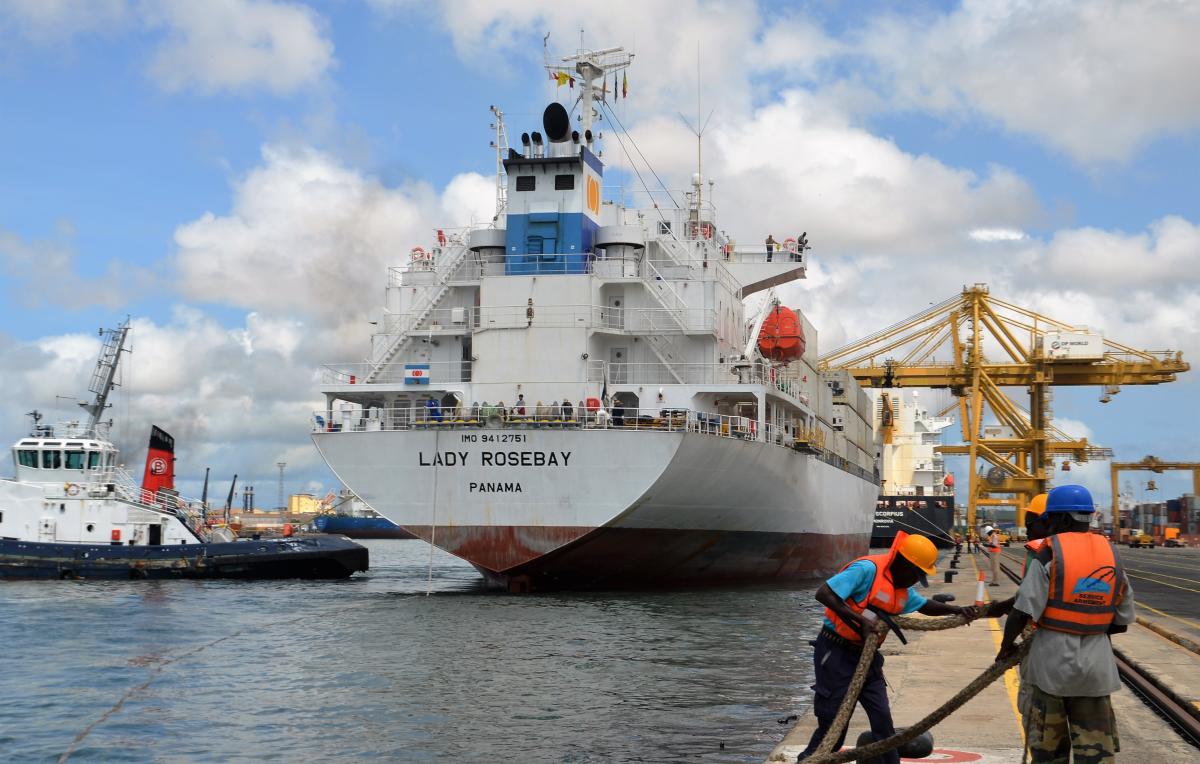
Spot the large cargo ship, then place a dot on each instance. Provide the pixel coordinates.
(576, 395)
(917, 493)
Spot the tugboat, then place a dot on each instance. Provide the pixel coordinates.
(73, 512)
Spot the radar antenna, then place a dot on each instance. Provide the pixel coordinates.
(105, 376)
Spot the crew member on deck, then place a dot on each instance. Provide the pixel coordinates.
(885, 581)
(1076, 591)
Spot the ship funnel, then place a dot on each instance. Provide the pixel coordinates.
(525, 144)
(537, 143)
(557, 123)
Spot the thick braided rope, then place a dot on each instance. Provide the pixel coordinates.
(991, 674)
(870, 646)
(846, 709)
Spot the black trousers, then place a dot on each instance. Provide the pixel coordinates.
(835, 666)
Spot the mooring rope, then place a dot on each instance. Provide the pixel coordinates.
(825, 753)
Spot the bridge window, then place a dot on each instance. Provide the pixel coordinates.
(526, 182)
(51, 460)
(664, 228)
(93, 460)
(27, 458)
(74, 460)
(564, 182)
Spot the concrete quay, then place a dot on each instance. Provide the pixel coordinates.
(935, 664)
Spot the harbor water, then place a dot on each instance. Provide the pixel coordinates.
(373, 669)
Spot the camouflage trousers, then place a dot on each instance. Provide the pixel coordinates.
(1056, 725)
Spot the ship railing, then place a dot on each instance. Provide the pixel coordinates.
(759, 254)
(417, 374)
(695, 374)
(458, 320)
(487, 416)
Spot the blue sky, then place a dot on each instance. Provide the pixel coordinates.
(143, 173)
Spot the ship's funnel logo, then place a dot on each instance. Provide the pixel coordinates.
(593, 196)
(158, 466)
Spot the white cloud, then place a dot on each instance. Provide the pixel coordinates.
(211, 46)
(42, 271)
(311, 238)
(997, 234)
(51, 21)
(1096, 80)
(238, 44)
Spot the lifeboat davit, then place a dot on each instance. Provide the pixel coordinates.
(782, 336)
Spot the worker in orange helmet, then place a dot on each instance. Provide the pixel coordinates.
(1076, 591)
(885, 582)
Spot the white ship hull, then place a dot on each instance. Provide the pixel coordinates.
(592, 508)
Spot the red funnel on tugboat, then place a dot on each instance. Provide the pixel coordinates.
(160, 462)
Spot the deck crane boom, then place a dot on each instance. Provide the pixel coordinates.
(976, 345)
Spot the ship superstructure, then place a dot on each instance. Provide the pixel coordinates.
(917, 493)
(574, 396)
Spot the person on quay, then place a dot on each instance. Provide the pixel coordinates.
(885, 581)
(1076, 592)
(1036, 532)
(992, 544)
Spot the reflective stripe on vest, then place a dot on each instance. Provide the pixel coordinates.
(882, 595)
(1086, 584)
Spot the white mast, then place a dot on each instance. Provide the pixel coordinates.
(104, 378)
(587, 66)
(500, 144)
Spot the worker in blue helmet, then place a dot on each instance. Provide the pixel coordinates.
(1076, 591)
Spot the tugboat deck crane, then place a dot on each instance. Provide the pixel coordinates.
(975, 345)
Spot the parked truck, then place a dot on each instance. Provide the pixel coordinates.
(1171, 537)
(1139, 539)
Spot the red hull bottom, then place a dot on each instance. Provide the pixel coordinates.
(644, 558)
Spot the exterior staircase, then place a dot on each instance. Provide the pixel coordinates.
(455, 255)
(667, 342)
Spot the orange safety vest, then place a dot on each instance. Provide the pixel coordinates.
(883, 595)
(1087, 583)
(1034, 547)
(992, 546)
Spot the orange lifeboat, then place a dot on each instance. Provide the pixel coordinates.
(781, 337)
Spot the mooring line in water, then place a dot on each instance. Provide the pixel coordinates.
(154, 673)
(158, 670)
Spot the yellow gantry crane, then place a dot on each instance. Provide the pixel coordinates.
(976, 345)
(1149, 464)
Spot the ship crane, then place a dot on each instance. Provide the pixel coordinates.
(976, 345)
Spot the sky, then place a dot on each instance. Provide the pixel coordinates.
(237, 175)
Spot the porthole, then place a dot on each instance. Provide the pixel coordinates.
(90, 527)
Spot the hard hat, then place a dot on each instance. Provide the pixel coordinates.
(1037, 505)
(1070, 498)
(920, 551)
(987, 529)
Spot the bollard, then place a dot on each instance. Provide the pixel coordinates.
(950, 574)
(954, 563)
(918, 748)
